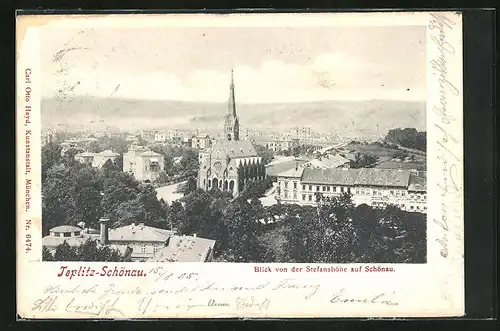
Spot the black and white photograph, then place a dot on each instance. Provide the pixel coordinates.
(299, 144)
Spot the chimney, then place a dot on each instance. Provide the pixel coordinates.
(104, 235)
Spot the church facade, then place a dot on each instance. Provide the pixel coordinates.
(230, 163)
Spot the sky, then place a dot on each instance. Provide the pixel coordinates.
(281, 64)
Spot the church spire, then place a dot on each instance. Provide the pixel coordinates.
(231, 125)
(231, 109)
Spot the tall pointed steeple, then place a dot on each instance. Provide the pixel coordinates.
(231, 122)
(231, 109)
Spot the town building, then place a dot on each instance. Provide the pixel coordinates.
(160, 136)
(143, 164)
(139, 242)
(148, 135)
(185, 249)
(301, 133)
(101, 158)
(329, 161)
(73, 235)
(282, 145)
(85, 158)
(230, 163)
(201, 141)
(405, 189)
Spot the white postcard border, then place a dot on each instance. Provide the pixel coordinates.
(220, 290)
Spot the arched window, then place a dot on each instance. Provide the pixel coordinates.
(209, 183)
(231, 185)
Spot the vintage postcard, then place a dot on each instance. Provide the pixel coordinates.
(240, 165)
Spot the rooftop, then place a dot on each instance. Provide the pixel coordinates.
(185, 249)
(418, 181)
(383, 177)
(108, 153)
(362, 177)
(66, 228)
(139, 232)
(234, 148)
(294, 172)
(85, 154)
(330, 176)
(150, 153)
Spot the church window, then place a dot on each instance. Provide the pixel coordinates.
(295, 185)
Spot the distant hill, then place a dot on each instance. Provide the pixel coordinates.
(354, 118)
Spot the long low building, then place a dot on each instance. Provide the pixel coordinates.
(405, 189)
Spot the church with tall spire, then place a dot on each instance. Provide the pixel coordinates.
(230, 163)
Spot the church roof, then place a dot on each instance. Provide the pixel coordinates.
(234, 148)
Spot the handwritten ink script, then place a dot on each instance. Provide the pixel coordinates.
(187, 292)
(447, 143)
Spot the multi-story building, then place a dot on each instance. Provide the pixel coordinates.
(301, 133)
(405, 189)
(148, 135)
(230, 163)
(85, 158)
(160, 136)
(282, 145)
(143, 164)
(201, 142)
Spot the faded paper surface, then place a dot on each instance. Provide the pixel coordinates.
(223, 290)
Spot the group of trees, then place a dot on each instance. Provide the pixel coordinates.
(74, 193)
(265, 153)
(90, 250)
(334, 232)
(362, 160)
(408, 137)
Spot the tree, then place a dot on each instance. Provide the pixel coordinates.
(58, 199)
(46, 254)
(256, 189)
(265, 153)
(189, 186)
(407, 137)
(64, 252)
(364, 161)
(50, 156)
